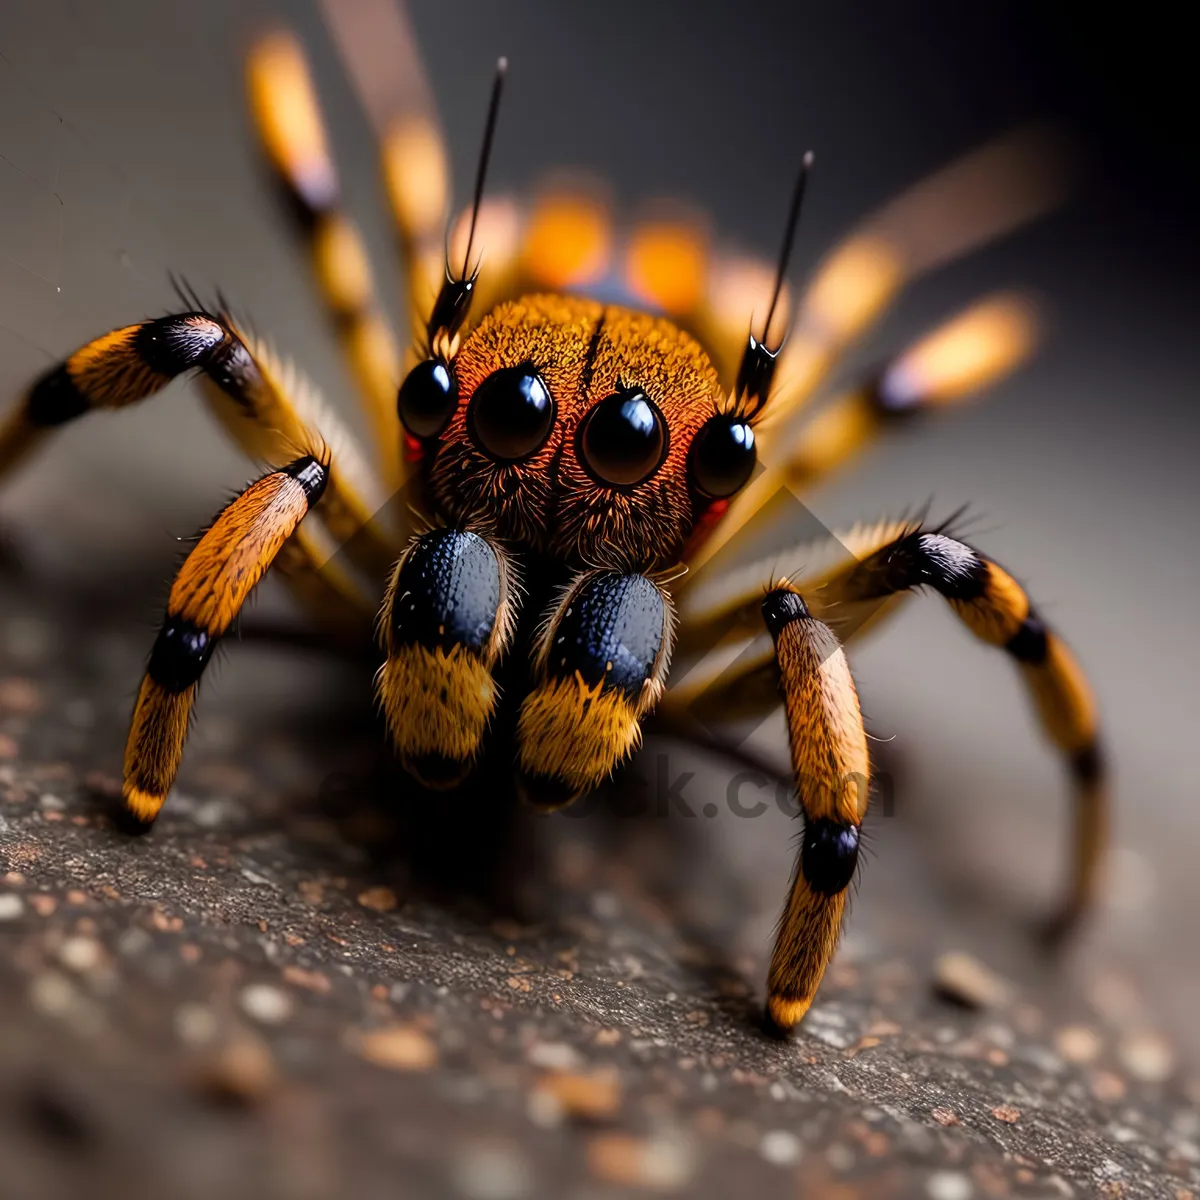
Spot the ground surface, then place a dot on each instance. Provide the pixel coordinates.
(189, 1014)
(305, 983)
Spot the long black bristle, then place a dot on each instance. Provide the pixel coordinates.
(485, 154)
(789, 237)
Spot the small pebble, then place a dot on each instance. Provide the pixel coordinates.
(265, 1003)
(1107, 1086)
(949, 1185)
(965, 980)
(195, 1025)
(134, 941)
(491, 1171)
(840, 1158)
(398, 1048)
(52, 994)
(1078, 1044)
(780, 1148)
(1147, 1056)
(544, 1110)
(379, 899)
(48, 802)
(591, 1097)
(554, 1056)
(1006, 1113)
(945, 1116)
(312, 981)
(242, 1072)
(660, 1163)
(11, 906)
(210, 813)
(80, 954)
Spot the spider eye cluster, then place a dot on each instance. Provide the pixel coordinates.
(623, 439)
(511, 414)
(427, 398)
(723, 456)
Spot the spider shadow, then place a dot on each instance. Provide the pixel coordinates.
(480, 855)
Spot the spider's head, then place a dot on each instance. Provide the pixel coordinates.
(590, 432)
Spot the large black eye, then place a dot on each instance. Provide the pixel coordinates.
(723, 456)
(427, 399)
(511, 414)
(623, 439)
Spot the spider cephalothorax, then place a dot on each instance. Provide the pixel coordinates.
(573, 463)
(598, 472)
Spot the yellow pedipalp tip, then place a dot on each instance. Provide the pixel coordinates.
(142, 805)
(787, 1012)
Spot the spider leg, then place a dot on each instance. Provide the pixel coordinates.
(209, 590)
(266, 407)
(567, 242)
(447, 617)
(291, 130)
(327, 588)
(956, 361)
(382, 59)
(832, 773)
(997, 610)
(729, 603)
(970, 202)
(599, 668)
(667, 264)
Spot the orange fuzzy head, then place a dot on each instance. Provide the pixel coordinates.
(573, 431)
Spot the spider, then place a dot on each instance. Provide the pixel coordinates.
(581, 469)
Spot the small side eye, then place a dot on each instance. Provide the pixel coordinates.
(511, 414)
(623, 440)
(427, 398)
(723, 456)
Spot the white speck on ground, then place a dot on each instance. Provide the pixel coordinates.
(554, 1056)
(491, 1171)
(780, 1147)
(265, 1003)
(949, 1185)
(80, 954)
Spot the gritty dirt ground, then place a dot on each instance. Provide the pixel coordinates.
(310, 981)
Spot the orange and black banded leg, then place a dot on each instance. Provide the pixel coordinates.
(248, 394)
(291, 131)
(997, 610)
(115, 370)
(382, 59)
(447, 618)
(951, 364)
(832, 773)
(208, 593)
(599, 669)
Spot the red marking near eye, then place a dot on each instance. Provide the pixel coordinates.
(414, 451)
(706, 522)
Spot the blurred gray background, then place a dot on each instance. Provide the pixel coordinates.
(124, 153)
